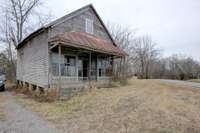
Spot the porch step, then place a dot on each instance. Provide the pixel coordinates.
(71, 89)
(65, 92)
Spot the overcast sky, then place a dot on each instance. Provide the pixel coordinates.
(173, 24)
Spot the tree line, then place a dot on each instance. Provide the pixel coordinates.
(145, 58)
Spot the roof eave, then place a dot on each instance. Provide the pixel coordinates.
(30, 36)
(67, 42)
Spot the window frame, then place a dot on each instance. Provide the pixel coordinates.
(87, 23)
(65, 65)
(104, 64)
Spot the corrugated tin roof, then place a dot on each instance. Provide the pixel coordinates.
(84, 40)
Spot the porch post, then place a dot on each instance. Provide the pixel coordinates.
(89, 75)
(97, 69)
(59, 67)
(120, 74)
(50, 68)
(123, 66)
(113, 67)
(77, 67)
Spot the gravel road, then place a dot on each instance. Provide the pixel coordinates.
(21, 120)
(183, 83)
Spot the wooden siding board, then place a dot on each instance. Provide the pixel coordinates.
(33, 65)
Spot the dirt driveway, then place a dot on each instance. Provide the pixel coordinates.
(183, 83)
(20, 120)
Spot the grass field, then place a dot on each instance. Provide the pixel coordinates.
(143, 106)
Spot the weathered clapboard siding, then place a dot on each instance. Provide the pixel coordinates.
(77, 23)
(19, 65)
(32, 63)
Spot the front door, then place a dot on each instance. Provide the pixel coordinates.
(83, 65)
(85, 69)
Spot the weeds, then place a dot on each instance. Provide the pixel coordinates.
(38, 95)
(2, 113)
(142, 106)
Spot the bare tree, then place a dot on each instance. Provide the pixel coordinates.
(159, 69)
(175, 67)
(6, 39)
(5, 66)
(123, 37)
(3, 62)
(142, 51)
(145, 54)
(182, 67)
(18, 14)
(145, 58)
(20, 17)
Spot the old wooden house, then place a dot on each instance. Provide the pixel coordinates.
(68, 52)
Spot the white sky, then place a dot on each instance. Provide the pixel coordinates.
(173, 24)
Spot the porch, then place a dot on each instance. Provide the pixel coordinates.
(74, 66)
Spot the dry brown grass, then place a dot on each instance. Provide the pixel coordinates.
(143, 106)
(10, 85)
(2, 113)
(38, 95)
(195, 80)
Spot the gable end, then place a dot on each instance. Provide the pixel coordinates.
(63, 19)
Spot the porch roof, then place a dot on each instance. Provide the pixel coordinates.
(87, 41)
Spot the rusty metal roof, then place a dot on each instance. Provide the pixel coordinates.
(87, 41)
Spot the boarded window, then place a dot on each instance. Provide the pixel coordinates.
(89, 26)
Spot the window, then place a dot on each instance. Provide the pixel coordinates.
(80, 68)
(55, 64)
(89, 26)
(105, 67)
(93, 71)
(68, 65)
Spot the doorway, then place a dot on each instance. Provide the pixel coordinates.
(85, 69)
